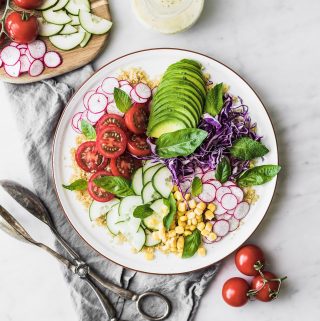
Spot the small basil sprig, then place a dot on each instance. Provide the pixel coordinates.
(78, 185)
(214, 100)
(142, 211)
(223, 170)
(168, 219)
(191, 244)
(115, 185)
(246, 148)
(88, 130)
(258, 175)
(122, 99)
(196, 187)
(182, 142)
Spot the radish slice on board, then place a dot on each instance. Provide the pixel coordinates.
(10, 55)
(52, 59)
(241, 210)
(136, 98)
(237, 192)
(123, 82)
(229, 183)
(109, 84)
(25, 63)
(221, 191)
(219, 209)
(113, 109)
(215, 183)
(75, 122)
(126, 88)
(13, 44)
(210, 175)
(229, 201)
(143, 90)
(208, 193)
(86, 97)
(221, 228)
(13, 71)
(97, 103)
(37, 49)
(36, 68)
(22, 46)
(233, 224)
(31, 59)
(94, 117)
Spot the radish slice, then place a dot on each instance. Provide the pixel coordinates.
(31, 59)
(231, 212)
(219, 209)
(94, 117)
(219, 238)
(110, 97)
(198, 170)
(10, 55)
(85, 117)
(136, 98)
(241, 210)
(126, 88)
(36, 68)
(37, 49)
(13, 44)
(113, 109)
(225, 216)
(143, 90)
(23, 51)
(1, 62)
(221, 228)
(215, 183)
(123, 82)
(237, 192)
(75, 122)
(221, 191)
(233, 224)
(86, 98)
(154, 90)
(22, 46)
(25, 63)
(208, 176)
(97, 103)
(109, 84)
(208, 193)
(229, 183)
(229, 201)
(52, 59)
(13, 71)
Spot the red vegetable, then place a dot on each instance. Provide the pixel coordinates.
(124, 165)
(235, 291)
(136, 118)
(97, 193)
(138, 146)
(28, 4)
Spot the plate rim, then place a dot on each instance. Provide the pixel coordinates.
(67, 106)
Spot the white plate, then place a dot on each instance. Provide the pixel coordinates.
(155, 62)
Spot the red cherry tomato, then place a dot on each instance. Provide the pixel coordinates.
(97, 193)
(234, 292)
(111, 141)
(2, 38)
(136, 118)
(247, 257)
(124, 165)
(109, 120)
(137, 145)
(28, 4)
(21, 27)
(265, 292)
(89, 159)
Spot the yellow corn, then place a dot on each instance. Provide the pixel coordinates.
(175, 188)
(178, 196)
(212, 236)
(183, 218)
(202, 206)
(191, 215)
(180, 243)
(212, 207)
(202, 251)
(186, 233)
(187, 227)
(180, 223)
(199, 218)
(192, 227)
(194, 221)
(198, 211)
(172, 233)
(187, 197)
(208, 226)
(149, 256)
(208, 215)
(182, 207)
(192, 204)
(156, 236)
(201, 226)
(179, 230)
(181, 213)
(205, 232)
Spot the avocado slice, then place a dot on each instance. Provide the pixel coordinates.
(166, 125)
(189, 75)
(192, 62)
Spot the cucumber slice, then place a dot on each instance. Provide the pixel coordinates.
(47, 29)
(150, 241)
(98, 208)
(94, 24)
(67, 42)
(74, 20)
(148, 174)
(127, 206)
(60, 5)
(137, 181)
(57, 17)
(138, 239)
(160, 207)
(68, 30)
(162, 181)
(86, 38)
(74, 6)
(112, 218)
(149, 194)
(154, 222)
(148, 164)
(47, 4)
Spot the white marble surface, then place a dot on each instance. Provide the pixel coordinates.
(274, 45)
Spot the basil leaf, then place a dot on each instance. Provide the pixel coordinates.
(182, 142)
(122, 99)
(258, 175)
(78, 185)
(88, 130)
(116, 185)
(196, 186)
(168, 219)
(223, 170)
(191, 244)
(214, 100)
(142, 211)
(246, 148)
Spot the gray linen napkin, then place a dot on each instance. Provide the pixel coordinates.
(37, 108)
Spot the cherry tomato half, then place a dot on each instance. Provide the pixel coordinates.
(247, 257)
(111, 141)
(21, 27)
(234, 292)
(137, 145)
(136, 118)
(28, 4)
(124, 165)
(97, 193)
(89, 159)
(267, 292)
(110, 120)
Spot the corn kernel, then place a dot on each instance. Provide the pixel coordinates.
(175, 188)
(182, 207)
(173, 225)
(194, 221)
(208, 215)
(187, 197)
(187, 233)
(192, 227)
(182, 224)
(149, 256)
(198, 211)
(179, 230)
(212, 236)
(199, 218)
(183, 218)
(205, 232)
(156, 236)
(192, 204)
(212, 207)
(173, 244)
(208, 226)
(201, 226)
(178, 196)
(181, 213)
(202, 206)
(189, 222)
(202, 251)
(191, 215)
(187, 227)
(180, 243)
(172, 233)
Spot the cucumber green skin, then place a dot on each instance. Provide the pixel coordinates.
(154, 180)
(139, 171)
(47, 7)
(143, 196)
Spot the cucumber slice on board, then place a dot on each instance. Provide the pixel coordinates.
(100, 208)
(162, 181)
(60, 5)
(74, 20)
(47, 4)
(86, 39)
(149, 194)
(150, 241)
(148, 174)
(127, 206)
(57, 17)
(94, 24)
(137, 181)
(112, 218)
(68, 30)
(74, 6)
(47, 29)
(67, 42)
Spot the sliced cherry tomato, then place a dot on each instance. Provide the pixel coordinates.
(28, 4)
(107, 168)
(249, 259)
(110, 120)
(89, 159)
(268, 291)
(111, 141)
(124, 165)
(136, 118)
(137, 145)
(234, 292)
(98, 193)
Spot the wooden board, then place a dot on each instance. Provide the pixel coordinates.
(72, 59)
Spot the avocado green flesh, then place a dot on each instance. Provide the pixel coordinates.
(183, 68)
(191, 62)
(166, 126)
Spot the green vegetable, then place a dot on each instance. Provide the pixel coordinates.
(122, 99)
(182, 142)
(214, 100)
(167, 220)
(258, 175)
(246, 148)
(88, 130)
(142, 211)
(223, 170)
(196, 187)
(78, 185)
(116, 185)
(191, 244)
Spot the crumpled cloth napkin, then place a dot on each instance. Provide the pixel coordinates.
(37, 108)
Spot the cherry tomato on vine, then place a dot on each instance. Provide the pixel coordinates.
(2, 37)
(234, 292)
(21, 27)
(246, 259)
(136, 118)
(28, 4)
(265, 292)
(98, 193)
